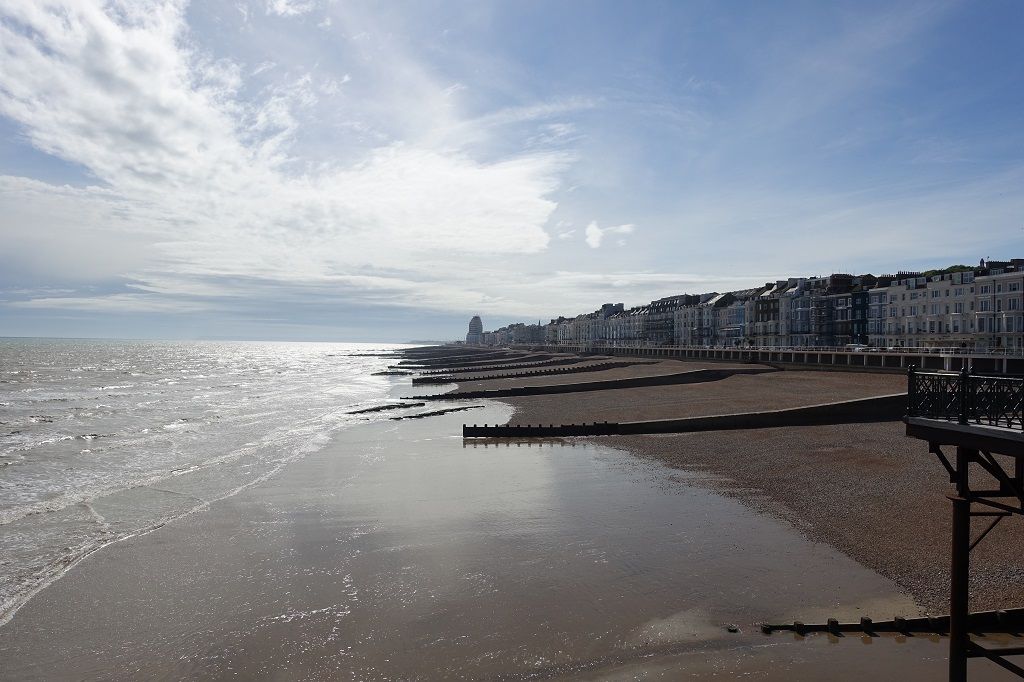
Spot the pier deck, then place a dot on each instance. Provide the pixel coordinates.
(981, 418)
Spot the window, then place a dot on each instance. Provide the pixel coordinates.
(981, 324)
(985, 288)
(1013, 303)
(984, 306)
(999, 288)
(1014, 286)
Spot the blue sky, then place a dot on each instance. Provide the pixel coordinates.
(309, 169)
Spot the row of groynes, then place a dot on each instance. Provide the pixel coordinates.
(554, 362)
(687, 377)
(447, 379)
(873, 409)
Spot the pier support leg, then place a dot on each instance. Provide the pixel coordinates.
(959, 639)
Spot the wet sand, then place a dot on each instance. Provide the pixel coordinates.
(865, 489)
(398, 552)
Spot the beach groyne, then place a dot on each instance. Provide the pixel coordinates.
(875, 409)
(553, 371)
(472, 362)
(677, 378)
(568, 360)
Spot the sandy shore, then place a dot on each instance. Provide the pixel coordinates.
(740, 393)
(865, 489)
(400, 553)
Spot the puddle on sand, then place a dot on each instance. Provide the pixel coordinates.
(397, 553)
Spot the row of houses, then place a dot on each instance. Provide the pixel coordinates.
(980, 308)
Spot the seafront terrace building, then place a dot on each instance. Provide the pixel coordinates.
(771, 324)
(661, 314)
(689, 324)
(998, 308)
(978, 309)
(627, 328)
(732, 328)
(960, 308)
(812, 315)
(850, 312)
(934, 311)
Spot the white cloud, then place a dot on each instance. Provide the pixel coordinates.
(263, 66)
(595, 235)
(196, 182)
(113, 303)
(290, 8)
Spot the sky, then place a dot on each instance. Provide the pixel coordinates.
(382, 171)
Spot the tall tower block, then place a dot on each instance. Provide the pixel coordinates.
(476, 331)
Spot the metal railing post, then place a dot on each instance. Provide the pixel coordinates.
(965, 382)
(959, 583)
(911, 392)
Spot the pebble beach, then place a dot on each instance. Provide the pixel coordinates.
(865, 489)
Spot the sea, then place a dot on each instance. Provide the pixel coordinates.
(101, 440)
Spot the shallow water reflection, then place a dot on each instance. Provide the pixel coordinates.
(400, 553)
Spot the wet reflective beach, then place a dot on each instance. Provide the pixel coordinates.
(399, 552)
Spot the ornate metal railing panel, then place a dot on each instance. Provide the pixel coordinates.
(997, 401)
(966, 398)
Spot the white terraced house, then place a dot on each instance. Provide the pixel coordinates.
(999, 310)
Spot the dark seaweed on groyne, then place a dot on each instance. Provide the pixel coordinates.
(381, 408)
(436, 413)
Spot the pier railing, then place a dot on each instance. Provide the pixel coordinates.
(966, 398)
